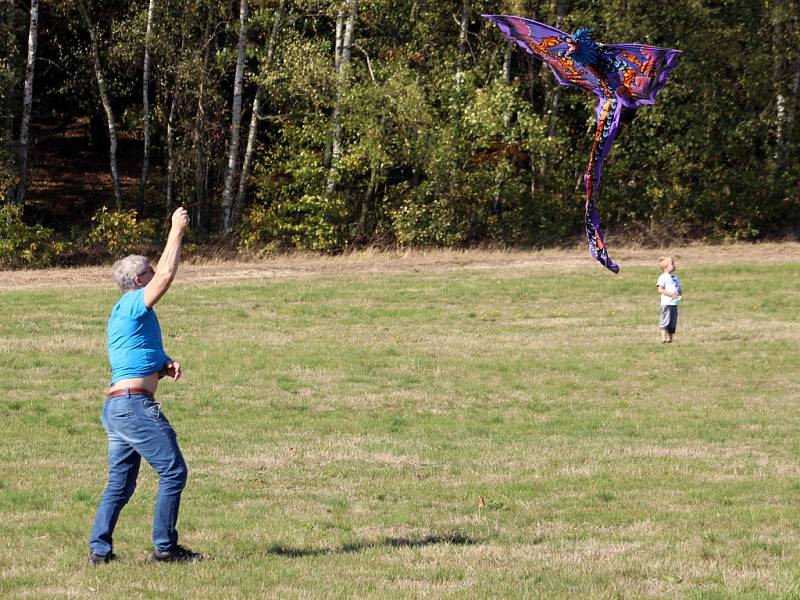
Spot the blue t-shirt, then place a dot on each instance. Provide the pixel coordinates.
(135, 348)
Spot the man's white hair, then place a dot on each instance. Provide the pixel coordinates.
(126, 269)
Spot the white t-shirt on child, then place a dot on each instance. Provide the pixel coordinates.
(669, 282)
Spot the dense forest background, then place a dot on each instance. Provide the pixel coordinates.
(331, 125)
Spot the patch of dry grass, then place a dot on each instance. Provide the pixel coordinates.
(203, 271)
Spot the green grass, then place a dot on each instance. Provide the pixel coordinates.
(340, 430)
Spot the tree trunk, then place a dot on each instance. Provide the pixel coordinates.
(254, 117)
(200, 161)
(794, 86)
(170, 149)
(337, 51)
(101, 86)
(463, 43)
(337, 59)
(507, 62)
(778, 70)
(146, 110)
(236, 118)
(361, 229)
(343, 73)
(499, 178)
(27, 102)
(794, 94)
(372, 187)
(553, 95)
(8, 143)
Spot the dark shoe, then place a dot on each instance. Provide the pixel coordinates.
(100, 559)
(177, 554)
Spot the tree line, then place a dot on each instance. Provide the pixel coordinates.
(328, 125)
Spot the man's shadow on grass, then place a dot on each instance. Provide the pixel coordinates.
(390, 542)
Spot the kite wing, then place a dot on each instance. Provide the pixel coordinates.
(637, 72)
(549, 45)
(621, 75)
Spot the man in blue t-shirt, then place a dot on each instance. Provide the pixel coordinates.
(132, 418)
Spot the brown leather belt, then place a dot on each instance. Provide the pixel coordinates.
(129, 392)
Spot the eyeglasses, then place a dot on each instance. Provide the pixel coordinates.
(149, 270)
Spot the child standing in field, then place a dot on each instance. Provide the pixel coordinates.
(670, 289)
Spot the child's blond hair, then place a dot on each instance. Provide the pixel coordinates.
(663, 261)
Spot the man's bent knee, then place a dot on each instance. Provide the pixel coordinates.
(120, 493)
(176, 474)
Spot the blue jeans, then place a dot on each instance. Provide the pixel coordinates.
(136, 428)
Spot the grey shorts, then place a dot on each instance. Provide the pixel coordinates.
(669, 318)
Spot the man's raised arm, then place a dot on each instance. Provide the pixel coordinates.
(168, 263)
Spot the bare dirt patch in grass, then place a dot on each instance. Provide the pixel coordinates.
(422, 261)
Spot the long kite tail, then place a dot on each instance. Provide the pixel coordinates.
(608, 113)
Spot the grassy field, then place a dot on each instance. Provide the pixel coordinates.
(454, 429)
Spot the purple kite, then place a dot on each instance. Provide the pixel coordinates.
(622, 76)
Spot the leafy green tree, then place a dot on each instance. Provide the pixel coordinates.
(416, 122)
